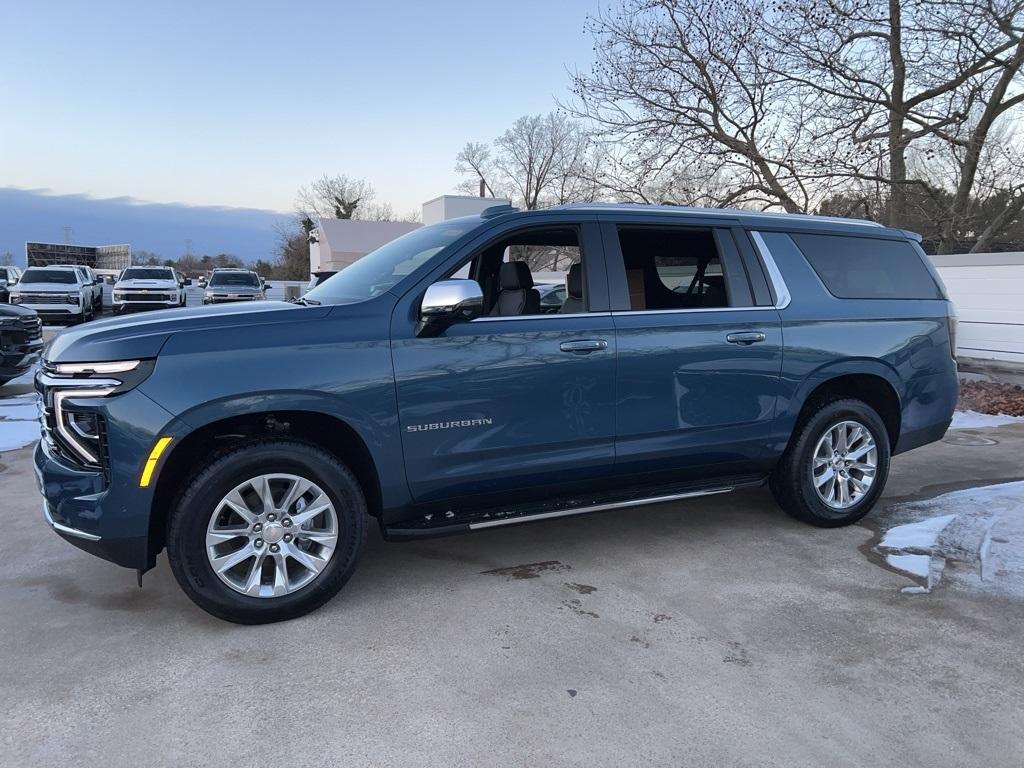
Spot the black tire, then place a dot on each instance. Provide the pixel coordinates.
(792, 483)
(190, 515)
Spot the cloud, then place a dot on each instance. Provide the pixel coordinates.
(41, 215)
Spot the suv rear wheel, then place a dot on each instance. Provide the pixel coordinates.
(836, 465)
(268, 532)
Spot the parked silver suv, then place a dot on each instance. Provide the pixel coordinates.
(233, 285)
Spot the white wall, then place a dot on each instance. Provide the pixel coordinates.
(988, 291)
(452, 206)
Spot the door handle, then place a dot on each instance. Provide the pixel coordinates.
(745, 337)
(583, 346)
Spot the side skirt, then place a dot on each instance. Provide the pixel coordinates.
(471, 519)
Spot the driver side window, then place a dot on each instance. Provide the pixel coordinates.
(537, 271)
(672, 268)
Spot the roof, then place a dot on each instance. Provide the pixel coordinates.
(732, 213)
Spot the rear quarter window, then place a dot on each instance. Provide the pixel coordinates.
(865, 268)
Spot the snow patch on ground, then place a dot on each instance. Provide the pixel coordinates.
(17, 434)
(972, 539)
(975, 420)
(916, 536)
(19, 422)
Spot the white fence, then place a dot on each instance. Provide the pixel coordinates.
(988, 291)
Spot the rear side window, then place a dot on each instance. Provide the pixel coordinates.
(672, 268)
(864, 268)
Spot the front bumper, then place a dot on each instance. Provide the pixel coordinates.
(104, 510)
(75, 503)
(54, 310)
(121, 305)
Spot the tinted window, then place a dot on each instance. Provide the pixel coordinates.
(66, 276)
(3, 274)
(863, 268)
(147, 273)
(221, 279)
(672, 268)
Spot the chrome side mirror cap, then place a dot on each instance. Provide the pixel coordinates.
(447, 302)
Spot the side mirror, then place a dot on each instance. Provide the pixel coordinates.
(447, 302)
(188, 281)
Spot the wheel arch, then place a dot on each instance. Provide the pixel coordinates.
(217, 436)
(871, 381)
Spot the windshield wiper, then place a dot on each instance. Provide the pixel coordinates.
(306, 302)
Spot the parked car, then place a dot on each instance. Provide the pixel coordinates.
(552, 296)
(21, 341)
(8, 279)
(93, 287)
(230, 285)
(56, 293)
(697, 352)
(149, 288)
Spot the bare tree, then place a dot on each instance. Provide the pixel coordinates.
(474, 160)
(337, 197)
(540, 160)
(919, 82)
(696, 84)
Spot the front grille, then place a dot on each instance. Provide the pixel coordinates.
(44, 297)
(32, 327)
(25, 331)
(145, 296)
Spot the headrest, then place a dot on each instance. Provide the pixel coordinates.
(515, 276)
(574, 281)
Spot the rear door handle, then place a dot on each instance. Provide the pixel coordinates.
(583, 346)
(745, 337)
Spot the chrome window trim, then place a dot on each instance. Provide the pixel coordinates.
(542, 316)
(686, 310)
(782, 295)
(67, 529)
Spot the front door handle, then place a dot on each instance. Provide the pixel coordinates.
(583, 346)
(745, 337)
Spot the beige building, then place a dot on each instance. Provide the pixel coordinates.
(336, 243)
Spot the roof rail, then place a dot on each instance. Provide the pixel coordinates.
(497, 210)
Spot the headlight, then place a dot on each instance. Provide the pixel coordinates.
(73, 298)
(79, 432)
(15, 298)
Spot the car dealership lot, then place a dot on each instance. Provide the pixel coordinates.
(711, 632)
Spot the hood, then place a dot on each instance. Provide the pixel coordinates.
(15, 310)
(138, 337)
(121, 285)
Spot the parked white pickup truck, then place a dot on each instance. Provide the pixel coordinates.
(56, 293)
(149, 288)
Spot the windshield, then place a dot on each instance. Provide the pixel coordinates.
(247, 279)
(379, 270)
(49, 276)
(147, 273)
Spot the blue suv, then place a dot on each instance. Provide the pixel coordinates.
(427, 386)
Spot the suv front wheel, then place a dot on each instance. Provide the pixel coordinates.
(268, 532)
(836, 464)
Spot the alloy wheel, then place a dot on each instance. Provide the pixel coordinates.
(272, 535)
(844, 464)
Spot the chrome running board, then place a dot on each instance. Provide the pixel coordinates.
(596, 508)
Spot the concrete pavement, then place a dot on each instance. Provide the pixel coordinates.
(718, 632)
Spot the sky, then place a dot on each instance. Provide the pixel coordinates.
(238, 104)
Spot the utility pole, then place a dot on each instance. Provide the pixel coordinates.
(69, 234)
